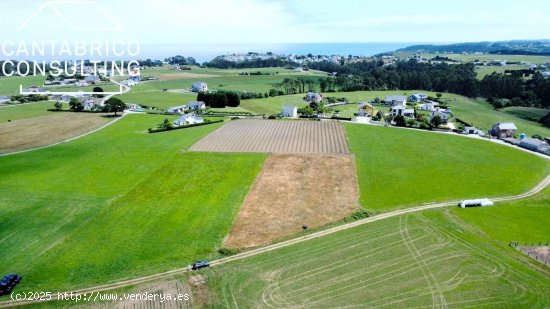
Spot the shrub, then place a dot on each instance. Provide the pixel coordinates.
(227, 251)
(399, 121)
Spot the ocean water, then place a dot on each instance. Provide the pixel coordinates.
(206, 52)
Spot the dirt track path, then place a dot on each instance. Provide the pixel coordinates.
(91, 291)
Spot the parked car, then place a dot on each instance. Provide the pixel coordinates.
(8, 283)
(200, 264)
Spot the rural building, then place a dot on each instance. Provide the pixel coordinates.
(196, 105)
(82, 83)
(177, 109)
(503, 129)
(417, 97)
(134, 107)
(92, 79)
(290, 111)
(402, 111)
(534, 144)
(471, 130)
(89, 104)
(366, 109)
(4, 99)
(187, 119)
(36, 89)
(444, 116)
(428, 106)
(396, 100)
(199, 87)
(313, 97)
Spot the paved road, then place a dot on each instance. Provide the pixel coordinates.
(120, 284)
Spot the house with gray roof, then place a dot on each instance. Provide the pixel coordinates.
(199, 87)
(392, 100)
(534, 145)
(503, 129)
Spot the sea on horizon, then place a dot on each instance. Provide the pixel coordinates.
(206, 52)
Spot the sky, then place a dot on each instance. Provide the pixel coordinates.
(234, 22)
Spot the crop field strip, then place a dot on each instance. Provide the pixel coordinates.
(269, 136)
(413, 262)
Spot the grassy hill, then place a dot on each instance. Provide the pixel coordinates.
(414, 260)
(402, 167)
(117, 203)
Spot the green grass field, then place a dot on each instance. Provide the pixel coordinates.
(400, 167)
(416, 260)
(482, 115)
(23, 111)
(116, 204)
(10, 85)
(487, 70)
(526, 112)
(524, 221)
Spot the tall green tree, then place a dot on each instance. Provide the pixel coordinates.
(115, 105)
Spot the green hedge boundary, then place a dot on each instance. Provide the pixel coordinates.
(184, 127)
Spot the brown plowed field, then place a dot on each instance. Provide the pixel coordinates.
(293, 190)
(272, 136)
(45, 130)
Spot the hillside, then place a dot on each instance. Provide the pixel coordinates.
(534, 47)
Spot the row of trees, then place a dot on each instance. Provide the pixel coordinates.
(181, 60)
(112, 105)
(220, 99)
(221, 63)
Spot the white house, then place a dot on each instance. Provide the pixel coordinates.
(428, 106)
(313, 97)
(187, 119)
(290, 111)
(199, 87)
(89, 104)
(392, 100)
(177, 109)
(417, 97)
(196, 105)
(4, 99)
(401, 110)
(93, 79)
(444, 116)
(134, 107)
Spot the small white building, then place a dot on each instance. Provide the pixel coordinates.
(4, 99)
(89, 104)
(196, 105)
(428, 106)
(290, 111)
(82, 83)
(180, 109)
(444, 116)
(199, 87)
(187, 119)
(417, 97)
(313, 97)
(92, 79)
